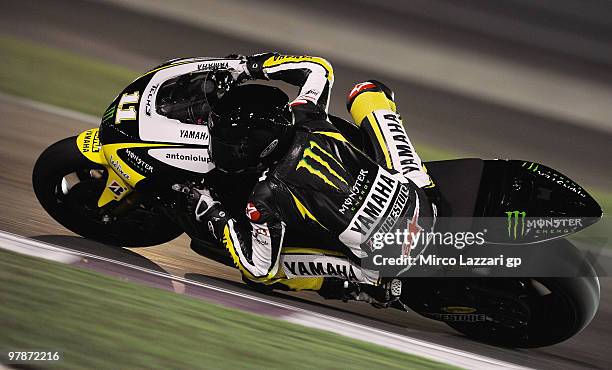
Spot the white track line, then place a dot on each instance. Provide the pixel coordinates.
(13, 243)
(298, 315)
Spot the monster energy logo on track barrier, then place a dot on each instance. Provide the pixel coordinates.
(326, 172)
(514, 218)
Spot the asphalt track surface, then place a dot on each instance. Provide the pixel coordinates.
(95, 29)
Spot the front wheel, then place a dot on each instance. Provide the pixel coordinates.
(68, 186)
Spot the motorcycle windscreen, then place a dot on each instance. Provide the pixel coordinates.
(187, 98)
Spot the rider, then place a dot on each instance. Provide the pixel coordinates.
(313, 181)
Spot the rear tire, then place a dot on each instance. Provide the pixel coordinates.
(74, 205)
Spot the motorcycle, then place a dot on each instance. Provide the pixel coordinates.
(125, 183)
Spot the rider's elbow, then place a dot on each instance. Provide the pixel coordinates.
(328, 70)
(326, 64)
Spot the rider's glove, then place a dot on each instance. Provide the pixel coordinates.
(254, 64)
(205, 203)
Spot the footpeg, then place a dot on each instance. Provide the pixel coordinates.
(396, 288)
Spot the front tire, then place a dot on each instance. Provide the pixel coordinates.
(68, 186)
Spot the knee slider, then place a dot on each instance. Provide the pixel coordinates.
(367, 97)
(371, 86)
(384, 88)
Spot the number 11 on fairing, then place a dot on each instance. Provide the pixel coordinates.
(129, 113)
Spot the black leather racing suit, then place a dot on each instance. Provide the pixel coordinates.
(325, 189)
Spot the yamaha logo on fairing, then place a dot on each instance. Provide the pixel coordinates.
(212, 66)
(91, 142)
(198, 135)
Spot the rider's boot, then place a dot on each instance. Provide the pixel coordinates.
(379, 296)
(334, 288)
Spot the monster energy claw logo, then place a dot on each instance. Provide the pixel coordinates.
(325, 172)
(533, 167)
(514, 218)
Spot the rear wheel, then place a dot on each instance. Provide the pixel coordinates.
(533, 312)
(514, 312)
(68, 187)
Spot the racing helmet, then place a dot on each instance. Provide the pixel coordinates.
(250, 128)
